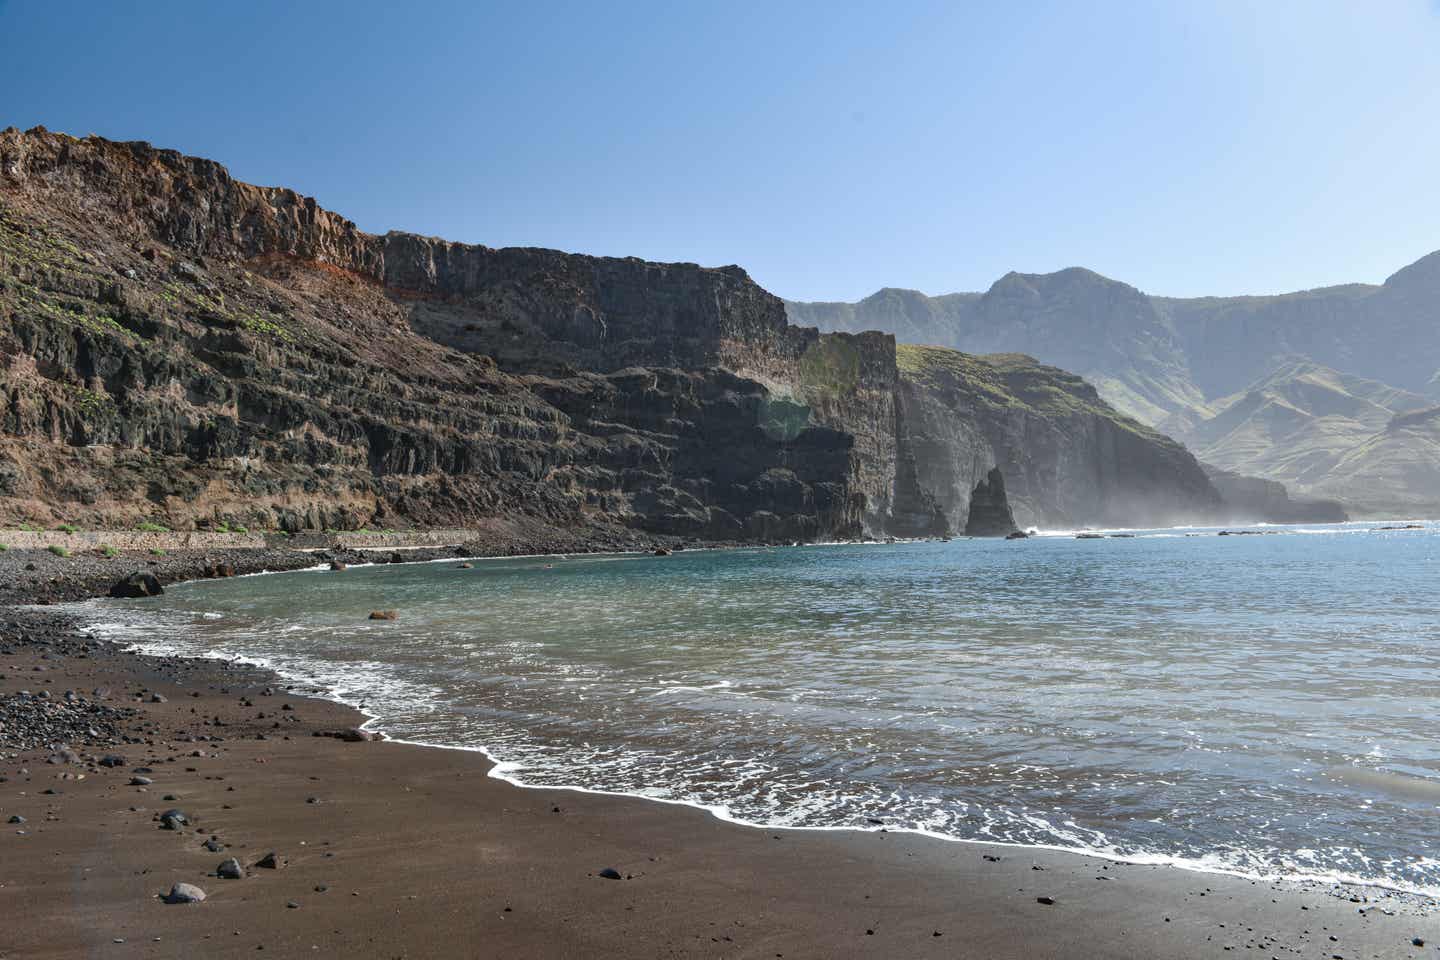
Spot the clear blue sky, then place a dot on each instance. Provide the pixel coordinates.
(830, 148)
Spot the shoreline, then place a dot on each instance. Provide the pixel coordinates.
(373, 722)
(724, 865)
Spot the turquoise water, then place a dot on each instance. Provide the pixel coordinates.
(1258, 704)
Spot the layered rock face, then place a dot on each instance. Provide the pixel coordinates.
(182, 348)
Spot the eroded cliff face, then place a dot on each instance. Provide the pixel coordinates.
(180, 347)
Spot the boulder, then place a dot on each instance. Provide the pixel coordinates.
(384, 615)
(141, 583)
(352, 735)
(185, 893)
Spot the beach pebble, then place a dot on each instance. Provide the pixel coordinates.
(271, 861)
(213, 845)
(230, 870)
(17, 819)
(185, 893)
(610, 873)
(112, 760)
(1048, 901)
(384, 615)
(140, 781)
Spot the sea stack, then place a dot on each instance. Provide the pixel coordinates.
(990, 514)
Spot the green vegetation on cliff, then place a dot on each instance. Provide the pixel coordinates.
(1011, 380)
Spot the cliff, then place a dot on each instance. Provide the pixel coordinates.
(182, 348)
(1067, 457)
(179, 347)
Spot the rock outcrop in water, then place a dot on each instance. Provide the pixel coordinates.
(990, 514)
(183, 348)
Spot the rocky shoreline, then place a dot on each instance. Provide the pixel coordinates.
(45, 576)
(131, 782)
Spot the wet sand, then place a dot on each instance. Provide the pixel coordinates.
(393, 850)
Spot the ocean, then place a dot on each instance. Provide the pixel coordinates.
(1264, 705)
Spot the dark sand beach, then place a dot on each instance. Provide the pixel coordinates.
(392, 850)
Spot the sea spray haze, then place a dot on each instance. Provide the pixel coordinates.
(1258, 704)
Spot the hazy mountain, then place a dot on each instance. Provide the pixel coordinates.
(1299, 423)
(1396, 471)
(1286, 387)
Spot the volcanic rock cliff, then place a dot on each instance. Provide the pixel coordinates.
(180, 347)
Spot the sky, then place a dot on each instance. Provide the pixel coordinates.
(829, 148)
